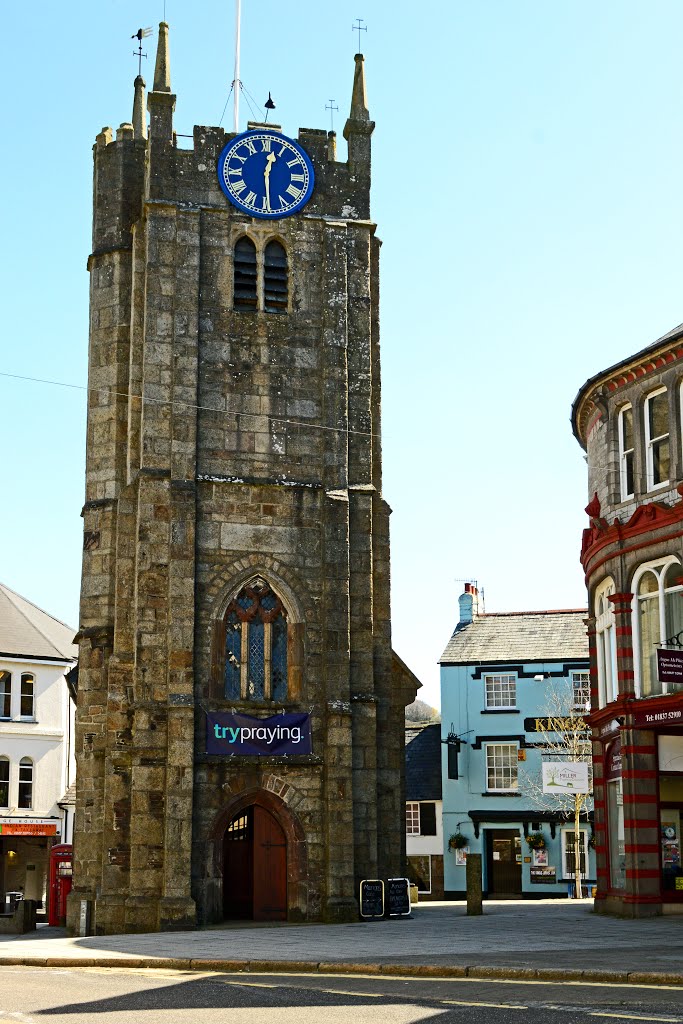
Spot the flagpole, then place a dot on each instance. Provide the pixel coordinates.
(236, 84)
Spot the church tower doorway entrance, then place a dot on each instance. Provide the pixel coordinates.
(255, 867)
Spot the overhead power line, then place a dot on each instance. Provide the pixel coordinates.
(186, 405)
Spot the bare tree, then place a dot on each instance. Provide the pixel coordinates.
(563, 735)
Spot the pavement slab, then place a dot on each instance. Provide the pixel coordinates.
(521, 938)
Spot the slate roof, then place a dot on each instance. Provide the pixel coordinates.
(28, 631)
(518, 637)
(423, 762)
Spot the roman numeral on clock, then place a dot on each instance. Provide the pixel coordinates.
(298, 177)
(293, 191)
(238, 186)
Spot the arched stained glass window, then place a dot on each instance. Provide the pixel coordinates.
(256, 645)
(244, 282)
(275, 284)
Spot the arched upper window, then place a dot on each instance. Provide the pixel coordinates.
(25, 783)
(275, 284)
(5, 694)
(657, 616)
(605, 643)
(657, 439)
(256, 645)
(4, 782)
(27, 705)
(245, 277)
(626, 452)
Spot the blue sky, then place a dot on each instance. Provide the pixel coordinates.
(527, 188)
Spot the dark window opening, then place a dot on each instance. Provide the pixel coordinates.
(4, 782)
(275, 285)
(427, 819)
(244, 288)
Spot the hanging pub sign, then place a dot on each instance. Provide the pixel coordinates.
(613, 760)
(229, 734)
(398, 897)
(670, 665)
(372, 898)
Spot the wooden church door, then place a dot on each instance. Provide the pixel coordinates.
(255, 867)
(270, 868)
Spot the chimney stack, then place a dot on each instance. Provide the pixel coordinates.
(470, 604)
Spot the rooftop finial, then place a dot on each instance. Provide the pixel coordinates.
(359, 102)
(162, 69)
(360, 27)
(139, 113)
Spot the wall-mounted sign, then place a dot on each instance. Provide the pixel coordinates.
(670, 666)
(372, 898)
(565, 777)
(647, 719)
(398, 897)
(542, 875)
(27, 828)
(558, 723)
(229, 734)
(613, 761)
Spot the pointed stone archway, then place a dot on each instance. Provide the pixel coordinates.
(260, 858)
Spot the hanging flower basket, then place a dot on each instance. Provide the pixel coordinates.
(536, 840)
(457, 841)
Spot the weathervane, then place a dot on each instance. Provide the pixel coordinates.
(331, 107)
(359, 28)
(269, 105)
(142, 33)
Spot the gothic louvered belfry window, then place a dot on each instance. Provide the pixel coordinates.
(244, 286)
(275, 284)
(256, 645)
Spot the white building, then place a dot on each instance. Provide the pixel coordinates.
(424, 809)
(37, 765)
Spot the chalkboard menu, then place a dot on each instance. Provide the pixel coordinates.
(372, 897)
(398, 894)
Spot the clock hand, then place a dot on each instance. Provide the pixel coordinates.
(270, 160)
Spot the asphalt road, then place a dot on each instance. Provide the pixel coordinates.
(144, 996)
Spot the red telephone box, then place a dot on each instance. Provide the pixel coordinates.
(60, 883)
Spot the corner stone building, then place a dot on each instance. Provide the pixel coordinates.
(233, 462)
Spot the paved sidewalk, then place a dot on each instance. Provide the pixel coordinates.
(549, 937)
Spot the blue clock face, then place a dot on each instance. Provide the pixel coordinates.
(265, 174)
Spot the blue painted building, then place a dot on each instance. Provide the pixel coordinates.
(514, 689)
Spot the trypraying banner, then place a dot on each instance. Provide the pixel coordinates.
(229, 734)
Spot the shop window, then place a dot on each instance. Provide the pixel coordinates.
(245, 276)
(626, 451)
(420, 873)
(617, 839)
(5, 694)
(4, 782)
(27, 704)
(569, 853)
(657, 617)
(501, 766)
(256, 645)
(605, 643)
(275, 278)
(25, 783)
(501, 692)
(657, 439)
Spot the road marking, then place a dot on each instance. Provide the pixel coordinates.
(633, 1016)
(496, 1006)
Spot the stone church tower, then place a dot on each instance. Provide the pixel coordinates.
(236, 541)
